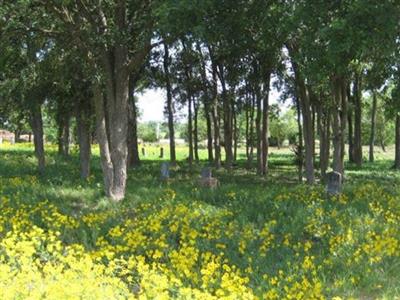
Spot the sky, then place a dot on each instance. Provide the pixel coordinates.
(151, 104)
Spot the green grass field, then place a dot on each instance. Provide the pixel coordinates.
(251, 238)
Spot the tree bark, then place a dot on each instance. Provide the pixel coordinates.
(304, 97)
(63, 135)
(358, 155)
(84, 137)
(259, 132)
(265, 123)
(323, 130)
(339, 123)
(235, 134)
(190, 130)
(215, 116)
(397, 146)
(66, 135)
(227, 109)
(112, 122)
(308, 132)
(207, 112)
(195, 131)
(251, 131)
(247, 128)
(133, 146)
(170, 108)
(373, 126)
(215, 110)
(36, 123)
(350, 129)
(299, 150)
(102, 138)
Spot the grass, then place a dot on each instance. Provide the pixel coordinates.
(252, 238)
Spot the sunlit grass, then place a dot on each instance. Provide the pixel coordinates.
(252, 238)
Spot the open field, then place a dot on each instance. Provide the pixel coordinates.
(252, 238)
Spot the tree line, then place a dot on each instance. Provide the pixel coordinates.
(86, 60)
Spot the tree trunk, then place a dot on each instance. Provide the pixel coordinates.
(66, 135)
(209, 131)
(383, 146)
(190, 131)
(339, 122)
(247, 129)
(102, 138)
(323, 130)
(350, 130)
(84, 137)
(265, 123)
(251, 131)
(397, 147)
(343, 116)
(63, 135)
(112, 122)
(60, 131)
(357, 151)
(17, 135)
(227, 108)
(170, 108)
(215, 116)
(308, 132)
(36, 123)
(373, 126)
(259, 132)
(350, 136)
(133, 146)
(235, 135)
(299, 150)
(195, 131)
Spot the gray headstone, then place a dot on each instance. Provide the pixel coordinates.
(12, 140)
(334, 183)
(1, 140)
(164, 170)
(206, 172)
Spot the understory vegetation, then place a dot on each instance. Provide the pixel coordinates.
(251, 238)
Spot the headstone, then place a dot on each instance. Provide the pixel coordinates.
(165, 171)
(143, 151)
(207, 180)
(1, 140)
(161, 152)
(334, 183)
(206, 172)
(12, 140)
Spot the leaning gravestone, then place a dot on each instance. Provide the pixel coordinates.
(207, 180)
(334, 183)
(164, 171)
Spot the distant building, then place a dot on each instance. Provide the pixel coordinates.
(6, 135)
(177, 141)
